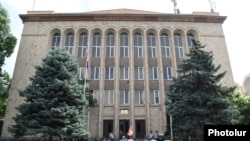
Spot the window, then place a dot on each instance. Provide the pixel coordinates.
(81, 73)
(69, 42)
(109, 97)
(94, 73)
(95, 96)
(151, 45)
(178, 46)
(56, 41)
(166, 95)
(153, 74)
(138, 73)
(110, 43)
(96, 45)
(124, 45)
(167, 72)
(124, 73)
(154, 96)
(138, 45)
(82, 45)
(139, 97)
(190, 38)
(109, 73)
(124, 97)
(165, 49)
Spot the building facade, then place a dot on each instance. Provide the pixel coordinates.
(133, 56)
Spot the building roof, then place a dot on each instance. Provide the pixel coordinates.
(122, 15)
(122, 11)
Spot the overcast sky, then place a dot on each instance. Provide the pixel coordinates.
(236, 27)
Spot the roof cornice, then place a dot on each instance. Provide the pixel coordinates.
(52, 17)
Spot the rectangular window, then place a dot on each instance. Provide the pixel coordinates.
(124, 45)
(152, 52)
(109, 73)
(110, 51)
(109, 97)
(95, 96)
(165, 49)
(81, 73)
(151, 45)
(138, 52)
(110, 41)
(138, 73)
(153, 74)
(123, 51)
(94, 73)
(139, 98)
(81, 51)
(124, 97)
(56, 41)
(69, 42)
(124, 73)
(178, 46)
(154, 97)
(138, 45)
(96, 51)
(167, 73)
(82, 45)
(96, 45)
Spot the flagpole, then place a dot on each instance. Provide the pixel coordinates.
(86, 76)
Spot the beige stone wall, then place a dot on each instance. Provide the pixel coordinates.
(35, 44)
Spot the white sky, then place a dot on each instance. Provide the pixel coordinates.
(236, 27)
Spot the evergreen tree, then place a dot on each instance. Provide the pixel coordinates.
(54, 101)
(196, 98)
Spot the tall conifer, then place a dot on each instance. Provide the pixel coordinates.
(54, 102)
(196, 97)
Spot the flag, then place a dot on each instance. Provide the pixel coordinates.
(87, 58)
(130, 131)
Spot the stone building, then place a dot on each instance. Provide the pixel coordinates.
(133, 57)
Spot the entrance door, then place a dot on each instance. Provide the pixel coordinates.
(107, 127)
(124, 126)
(140, 130)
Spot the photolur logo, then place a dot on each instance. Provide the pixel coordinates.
(226, 132)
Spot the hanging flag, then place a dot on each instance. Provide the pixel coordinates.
(130, 131)
(87, 58)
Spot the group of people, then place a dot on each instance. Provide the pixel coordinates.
(121, 136)
(154, 137)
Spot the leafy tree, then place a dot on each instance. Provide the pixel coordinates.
(4, 90)
(54, 100)
(241, 102)
(196, 97)
(7, 40)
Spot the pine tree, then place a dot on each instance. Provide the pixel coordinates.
(54, 101)
(196, 97)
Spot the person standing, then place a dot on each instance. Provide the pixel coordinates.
(111, 136)
(121, 135)
(151, 135)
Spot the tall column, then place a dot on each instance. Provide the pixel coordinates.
(116, 90)
(162, 108)
(173, 56)
(101, 83)
(131, 80)
(146, 81)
